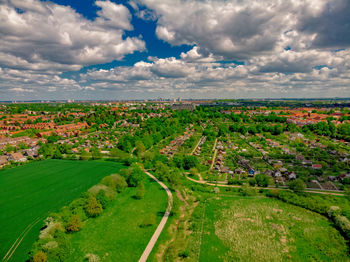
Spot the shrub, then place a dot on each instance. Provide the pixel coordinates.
(102, 198)
(74, 224)
(40, 257)
(252, 181)
(92, 258)
(120, 182)
(110, 193)
(247, 191)
(93, 208)
(140, 191)
(108, 181)
(297, 185)
(262, 180)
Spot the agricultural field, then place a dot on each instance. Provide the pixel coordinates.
(28, 193)
(118, 234)
(263, 229)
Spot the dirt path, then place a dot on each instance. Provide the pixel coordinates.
(162, 223)
(271, 188)
(213, 160)
(194, 149)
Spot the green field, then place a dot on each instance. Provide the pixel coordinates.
(263, 229)
(116, 235)
(28, 193)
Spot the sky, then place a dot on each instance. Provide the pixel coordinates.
(149, 49)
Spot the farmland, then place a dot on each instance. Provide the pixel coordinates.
(117, 235)
(28, 193)
(257, 228)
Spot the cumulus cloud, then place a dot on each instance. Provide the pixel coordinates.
(39, 35)
(331, 25)
(251, 48)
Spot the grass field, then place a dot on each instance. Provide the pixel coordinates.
(263, 229)
(116, 235)
(28, 193)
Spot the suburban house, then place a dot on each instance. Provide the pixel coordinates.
(17, 157)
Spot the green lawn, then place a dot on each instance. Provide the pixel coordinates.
(263, 229)
(29, 192)
(116, 235)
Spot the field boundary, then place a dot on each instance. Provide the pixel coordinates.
(162, 223)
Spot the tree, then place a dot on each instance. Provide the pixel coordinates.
(140, 191)
(74, 224)
(40, 257)
(262, 180)
(136, 176)
(93, 208)
(252, 181)
(140, 148)
(297, 185)
(85, 155)
(189, 162)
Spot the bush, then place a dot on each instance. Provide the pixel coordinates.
(252, 181)
(92, 258)
(93, 208)
(120, 182)
(74, 224)
(262, 180)
(102, 198)
(247, 191)
(108, 181)
(297, 185)
(40, 257)
(140, 191)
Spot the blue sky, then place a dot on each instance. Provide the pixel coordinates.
(143, 49)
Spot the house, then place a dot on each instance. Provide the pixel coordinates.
(17, 157)
(292, 175)
(251, 172)
(3, 161)
(332, 178)
(316, 166)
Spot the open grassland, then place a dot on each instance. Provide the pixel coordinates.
(263, 229)
(28, 193)
(117, 234)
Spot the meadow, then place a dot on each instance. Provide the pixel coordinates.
(264, 229)
(117, 234)
(30, 192)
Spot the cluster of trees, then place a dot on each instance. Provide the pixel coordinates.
(53, 243)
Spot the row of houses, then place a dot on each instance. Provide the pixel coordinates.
(170, 150)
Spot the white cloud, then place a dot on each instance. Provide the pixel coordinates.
(48, 36)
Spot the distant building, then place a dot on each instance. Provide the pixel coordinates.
(183, 106)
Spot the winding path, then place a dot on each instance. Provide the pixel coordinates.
(162, 223)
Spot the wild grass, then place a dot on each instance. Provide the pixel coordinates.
(262, 229)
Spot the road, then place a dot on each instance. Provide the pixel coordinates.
(162, 223)
(270, 188)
